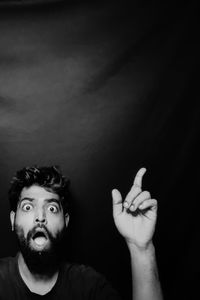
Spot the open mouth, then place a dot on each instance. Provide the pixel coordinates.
(40, 238)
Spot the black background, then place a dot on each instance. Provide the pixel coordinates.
(102, 89)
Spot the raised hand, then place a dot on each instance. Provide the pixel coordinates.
(135, 217)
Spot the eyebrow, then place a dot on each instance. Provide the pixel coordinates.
(46, 200)
(53, 200)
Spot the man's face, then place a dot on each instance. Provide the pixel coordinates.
(39, 220)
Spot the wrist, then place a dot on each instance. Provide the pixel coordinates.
(144, 250)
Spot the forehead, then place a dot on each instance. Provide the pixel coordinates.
(38, 193)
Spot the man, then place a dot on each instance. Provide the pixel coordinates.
(40, 215)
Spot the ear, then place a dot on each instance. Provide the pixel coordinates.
(66, 219)
(12, 219)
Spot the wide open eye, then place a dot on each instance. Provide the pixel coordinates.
(53, 209)
(27, 207)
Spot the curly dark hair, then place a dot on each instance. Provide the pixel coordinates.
(50, 178)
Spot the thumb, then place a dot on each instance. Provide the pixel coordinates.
(117, 202)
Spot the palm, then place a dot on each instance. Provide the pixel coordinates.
(138, 228)
(135, 226)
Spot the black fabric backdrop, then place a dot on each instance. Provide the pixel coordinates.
(101, 90)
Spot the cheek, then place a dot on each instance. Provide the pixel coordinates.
(23, 223)
(55, 223)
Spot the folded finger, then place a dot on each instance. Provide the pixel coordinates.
(151, 203)
(145, 195)
(134, 192)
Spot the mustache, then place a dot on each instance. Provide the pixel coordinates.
(39, 228)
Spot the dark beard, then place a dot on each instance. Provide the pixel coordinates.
(44, 262)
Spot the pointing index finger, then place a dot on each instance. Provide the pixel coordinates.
(138, 177)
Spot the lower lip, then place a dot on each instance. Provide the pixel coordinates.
(39, 242)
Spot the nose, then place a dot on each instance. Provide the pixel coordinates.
(40, 217)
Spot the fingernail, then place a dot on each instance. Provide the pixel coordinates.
(126, 204)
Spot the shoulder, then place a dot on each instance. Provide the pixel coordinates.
(6, 266)
(80, 270)
(6, 262)
(82, 273)
(90, 281)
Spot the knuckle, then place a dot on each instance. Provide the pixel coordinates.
(128, 197)
(146, 194)
(137, 189)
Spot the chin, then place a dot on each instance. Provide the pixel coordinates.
(41, 250)
(41, 260)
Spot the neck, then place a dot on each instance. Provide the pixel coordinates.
(36, 282)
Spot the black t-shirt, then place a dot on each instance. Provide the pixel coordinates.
(77, 282)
